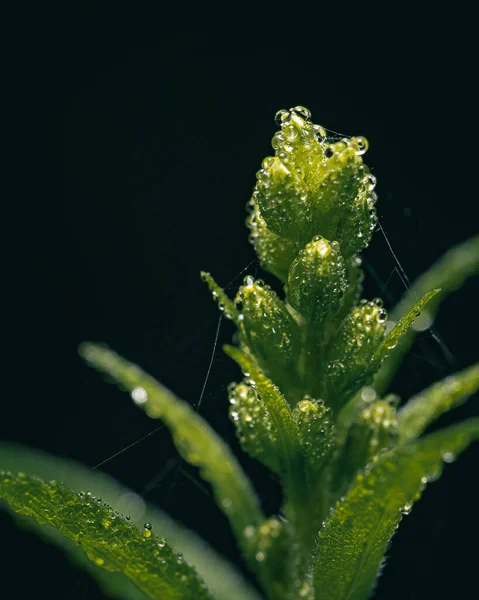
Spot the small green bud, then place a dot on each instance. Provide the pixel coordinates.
(272, 545)
(274, 252)
(350, 352)
(317, 280)
(316, 432)
(374, 429)
(255, 431)
(313, 187)
(267, 329)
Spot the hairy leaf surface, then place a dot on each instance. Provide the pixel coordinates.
(401, 328)
(195, 440)
(355, 538)
(426, 407)
(222, 579)
(448, 273)
(108, 539)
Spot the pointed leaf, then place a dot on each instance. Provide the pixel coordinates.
(276, 405)
(427, 406)
(356, 536)
(224, 303)
(195, 440)
(448, 273)
(222, 579)
(108, 539)
(289, 452)
(401, 328)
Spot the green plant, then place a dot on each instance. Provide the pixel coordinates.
(311, 407)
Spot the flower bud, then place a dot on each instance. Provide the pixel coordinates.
(268, 330)
(374, 429)
(316, 432)
(317, 280)
(314, 187)
(274, 252)
(256, 433)
(350, 352)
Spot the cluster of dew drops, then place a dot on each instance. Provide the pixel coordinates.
(330, 145)
(107, 522)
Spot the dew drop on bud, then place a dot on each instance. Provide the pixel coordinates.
(320, 132)
(303, 112)
(361, 144)
(282, 116)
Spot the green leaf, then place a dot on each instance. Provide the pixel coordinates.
(277, 407)
(401, 328)
(448, 273)
(428, 405)
(290, 454)
(107, 538)
(222, 579)
(195, 440)
(354, 539)
(224, 303)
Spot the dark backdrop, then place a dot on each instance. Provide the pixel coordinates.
(155, 153)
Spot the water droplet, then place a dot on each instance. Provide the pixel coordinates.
(357, 261)
(368, 394)
(448, 457)
(260, 556)
(249, 531)
(382, 315)
(147, 530)
(226, 502)
(320, 132)
(361, 144)
(248, 281)
(303, 112)
(282, 116)
(139, 396)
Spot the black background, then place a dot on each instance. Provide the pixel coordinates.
(153, 153)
